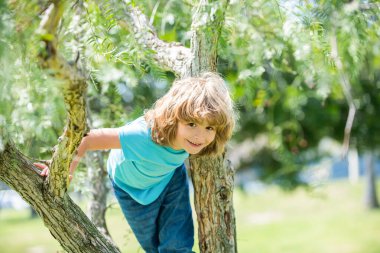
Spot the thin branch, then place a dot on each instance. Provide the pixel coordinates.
(346, 87)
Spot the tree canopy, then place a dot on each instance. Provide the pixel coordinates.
(297, 70)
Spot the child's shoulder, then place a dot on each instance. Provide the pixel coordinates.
(135, 127)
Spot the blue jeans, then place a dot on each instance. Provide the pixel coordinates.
(166, 225)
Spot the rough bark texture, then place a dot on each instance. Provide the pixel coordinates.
(74, 87)
(65, 220)
(213, 181)
(68, 142)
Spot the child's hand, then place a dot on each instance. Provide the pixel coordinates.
(45, 170)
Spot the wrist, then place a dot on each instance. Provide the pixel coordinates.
(81, 150)
(76, 158)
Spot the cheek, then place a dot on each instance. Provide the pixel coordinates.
(211, 137)
(181, 132)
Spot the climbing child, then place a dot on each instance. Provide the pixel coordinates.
(146, 162)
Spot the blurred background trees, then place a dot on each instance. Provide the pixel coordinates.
(300, 72)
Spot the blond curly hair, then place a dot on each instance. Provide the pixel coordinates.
(194, 99)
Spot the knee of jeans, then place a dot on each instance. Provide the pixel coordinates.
(176, 249)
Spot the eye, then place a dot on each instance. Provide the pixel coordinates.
(191, 124)
(210, 128)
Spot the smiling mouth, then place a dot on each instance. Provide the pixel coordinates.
(195, 144)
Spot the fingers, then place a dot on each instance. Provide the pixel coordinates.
(40, 165)
(44, 168)
(45, 172)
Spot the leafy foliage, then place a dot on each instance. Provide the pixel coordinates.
(277, 57)
(30, 102)
(279, 60)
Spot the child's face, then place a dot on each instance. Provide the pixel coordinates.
(193, 137)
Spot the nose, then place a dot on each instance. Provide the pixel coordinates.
(200, 134)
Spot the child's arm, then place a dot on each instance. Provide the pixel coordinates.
(97, 139)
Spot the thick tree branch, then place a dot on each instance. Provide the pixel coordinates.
(65, 220)
(74, 87)
(171, 56)
(208, 20)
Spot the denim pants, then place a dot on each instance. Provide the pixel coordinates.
(166, 225)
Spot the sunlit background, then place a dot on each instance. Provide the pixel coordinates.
(305, 77)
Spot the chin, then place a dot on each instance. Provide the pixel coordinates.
(195, 152)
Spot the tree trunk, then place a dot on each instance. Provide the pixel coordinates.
(97, 185)
(213, 178)
(97, 177)
(353, 166)
(65, 220)
(213, 181)
(206, 28)
(371, 201)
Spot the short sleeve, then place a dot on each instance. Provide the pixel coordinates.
(134, 140)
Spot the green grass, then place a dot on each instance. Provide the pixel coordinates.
(328, 219)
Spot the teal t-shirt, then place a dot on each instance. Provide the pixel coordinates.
(141, 167)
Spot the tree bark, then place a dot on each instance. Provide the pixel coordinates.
(207, 22)
(370, 199)
(74, 86)
(65, 220)
(213, 181)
